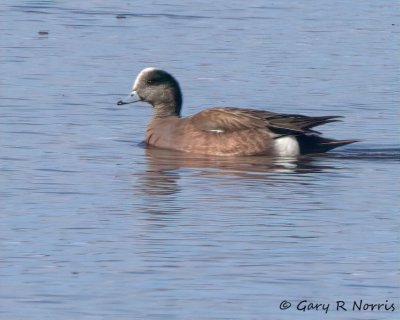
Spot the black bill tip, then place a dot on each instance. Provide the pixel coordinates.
(120, 103)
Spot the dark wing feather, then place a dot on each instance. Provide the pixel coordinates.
(298, 123)
(236, 119)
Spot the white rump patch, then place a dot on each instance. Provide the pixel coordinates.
(287, 147)
(216, 130)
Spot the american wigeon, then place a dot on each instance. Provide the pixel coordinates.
(224, 131)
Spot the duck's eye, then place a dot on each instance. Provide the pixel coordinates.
(154, 81)
(151, 81)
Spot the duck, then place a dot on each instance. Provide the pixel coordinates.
(224, 131)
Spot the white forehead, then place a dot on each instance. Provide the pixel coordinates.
(141, 74)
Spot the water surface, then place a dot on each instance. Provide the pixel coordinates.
(95, 226)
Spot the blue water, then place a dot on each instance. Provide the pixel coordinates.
(95, 226)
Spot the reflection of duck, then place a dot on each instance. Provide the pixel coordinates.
(224, 131)
(166, 162)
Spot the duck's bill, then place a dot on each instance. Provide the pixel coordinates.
(133, 97)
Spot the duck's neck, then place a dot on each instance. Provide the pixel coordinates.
(166, 110)
(162, 111)
(171, 103)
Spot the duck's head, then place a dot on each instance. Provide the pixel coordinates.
(160, 89)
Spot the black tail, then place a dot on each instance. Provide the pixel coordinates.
(317, 144)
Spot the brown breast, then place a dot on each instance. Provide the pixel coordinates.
(179, 134)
